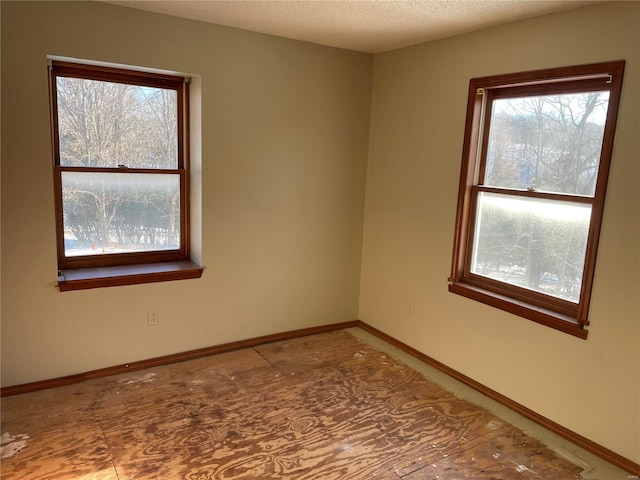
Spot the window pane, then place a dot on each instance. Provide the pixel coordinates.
(108, 213)
(532, 243)
(550, 143)
(105, 124)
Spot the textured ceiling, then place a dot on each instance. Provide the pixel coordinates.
(371, 26)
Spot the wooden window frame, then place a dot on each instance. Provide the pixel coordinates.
(92, 271)
(554, 312)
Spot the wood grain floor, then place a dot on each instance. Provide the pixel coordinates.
(326, 406)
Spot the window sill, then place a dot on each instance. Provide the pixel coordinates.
(540, 315)
(84, 278)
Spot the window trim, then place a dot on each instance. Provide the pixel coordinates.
(80, 272)
(545, 309)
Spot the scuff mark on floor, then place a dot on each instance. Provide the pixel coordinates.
(571, 457)
(12, 444)
(494, 425)
(149, 377)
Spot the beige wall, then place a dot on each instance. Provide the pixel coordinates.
(418, 111)
(284, 161)
(284, 151)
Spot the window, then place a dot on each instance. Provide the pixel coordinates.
(536, 156)
(121, 176)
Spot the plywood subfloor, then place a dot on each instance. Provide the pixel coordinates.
(326, 406)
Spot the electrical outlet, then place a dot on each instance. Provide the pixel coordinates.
(153, 317)
(411, 310)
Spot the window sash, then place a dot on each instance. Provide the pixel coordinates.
(128, 258)
(488, 96)
(129, 77)
(504, 288)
